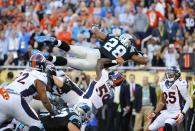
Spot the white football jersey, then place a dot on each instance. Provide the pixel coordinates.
(174, 93)
(24, 83)
(99, 91)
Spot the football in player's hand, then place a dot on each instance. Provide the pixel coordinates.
(120, 60)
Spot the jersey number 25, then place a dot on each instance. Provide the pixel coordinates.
(169, 97)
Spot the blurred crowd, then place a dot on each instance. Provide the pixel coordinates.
(164, 29)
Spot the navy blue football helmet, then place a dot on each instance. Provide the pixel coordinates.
(172, 73)
(116, 77)
(38, 62)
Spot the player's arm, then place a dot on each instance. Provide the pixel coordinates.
(141, 59)
(66, 84)
(98, 34)
(100, 66)
(159, 107)
(186, 96)
(72, 127)
(41, 90)
(58, 81)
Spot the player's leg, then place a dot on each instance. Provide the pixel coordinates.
(158, 122)
(25, 114)
(81, 64)
(169, 123)
(89, 61)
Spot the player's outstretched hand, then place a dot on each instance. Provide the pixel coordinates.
(120, 60)
(48, 39)
(151, 115)
(179, 118)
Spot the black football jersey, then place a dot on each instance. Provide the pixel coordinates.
(113, 48)
(60, 121)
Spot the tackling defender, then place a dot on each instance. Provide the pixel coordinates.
(99, 90)
(174, 89)
(15, 98)
(117, 49)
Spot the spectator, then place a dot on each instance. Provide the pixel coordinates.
(133, 87)
(160, 32)
(12, 49)
(9, 78)
(156, 85)
(141, 24)
(127, 18)
(190, 22)
(77, 28)
(3, 47)
(145, 101)
(119, 9)
(65, 35)
(82, 41)
(125, 106)
(94, 43)
(24, 41)
(151, 46)
(170, 56)
(107, 7)
(191, 112)
(160, 6)
(171, 27)
(153, 18)
(157, 61)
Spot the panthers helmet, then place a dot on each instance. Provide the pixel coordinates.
(172, 73)
(84, 109)
(116, 77)
(126, 39)
(50, 69)
(38, 62)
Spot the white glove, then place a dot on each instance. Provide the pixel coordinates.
(94, 27)
(179, 118)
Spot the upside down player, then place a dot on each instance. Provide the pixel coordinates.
(174, 89)
(117, 49)
(15, 98)
(69, 119)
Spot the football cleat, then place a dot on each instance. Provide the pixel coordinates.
(42, 39)
(35, 51)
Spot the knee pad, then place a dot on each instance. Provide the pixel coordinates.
(168, 127)
(34, 128)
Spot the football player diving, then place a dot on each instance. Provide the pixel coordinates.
(117, 49)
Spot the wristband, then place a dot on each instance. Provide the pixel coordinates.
(114, 61)
(154, 112)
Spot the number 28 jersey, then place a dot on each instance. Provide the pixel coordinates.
(174, 94)
(24, 84)
(113, 48)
